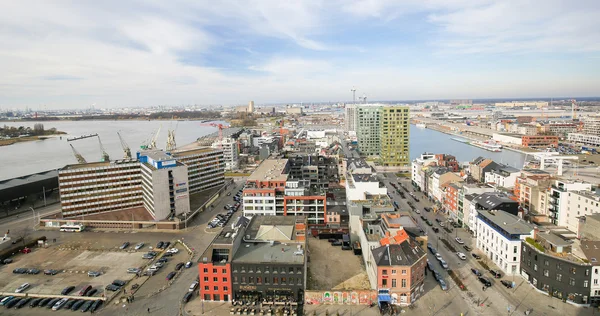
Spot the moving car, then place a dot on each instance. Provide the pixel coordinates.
(93, 274)
(22, 288)
(467, 248)
(476, 256)
(458, 240)
(461, 255)
(428, 222)
(134, 270)
(507, 284)
(436, 230)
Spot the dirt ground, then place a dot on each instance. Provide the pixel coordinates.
(330, 267)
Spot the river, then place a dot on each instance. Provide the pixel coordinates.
(29, 157)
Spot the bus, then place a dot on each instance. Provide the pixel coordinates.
(71, 228)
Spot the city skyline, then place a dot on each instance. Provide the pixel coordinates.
(146, 54)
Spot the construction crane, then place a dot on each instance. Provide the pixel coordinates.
(220, 127)
(126, 150)
(105, 156)
(573, 109)
(78, 156)
(151, 143)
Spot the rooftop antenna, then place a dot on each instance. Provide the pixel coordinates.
(353, 94)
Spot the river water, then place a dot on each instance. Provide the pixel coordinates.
(30, 157)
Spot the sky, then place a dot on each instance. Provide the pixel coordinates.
(74, 54)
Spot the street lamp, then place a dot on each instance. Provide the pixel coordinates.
(33, 211)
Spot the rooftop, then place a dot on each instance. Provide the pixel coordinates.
(156, 155)
(192, 150)
(591, 249)
(490, 200)
(364, 178)
(270, 170)
(512, 224)
(406, 253)
(97, 164)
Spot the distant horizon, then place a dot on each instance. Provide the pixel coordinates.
(480, 100)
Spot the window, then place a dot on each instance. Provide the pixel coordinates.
(206, 287)
(299, 270)
(403, 282)
(384, 272)
(275, 270)
(275, 280)
(283, 281)
(515, 249)
(215, 279)
(214, 270)
(559, 266)
(266, 269)
(291, 281)
(585, 283)
(535, 267)
(393, 272)
(404, 272)
(546, 273)
(250, 280)
(546, 262)
(266, 280)
(258, 280)
(573, 270)
(225, 288)
(393, 282)
(224, 279)
(595, 281)
(235, 279)
(558, 277)
(571, 281)
(243, 269)
(216, 288)
(243, 280)
(291, 270)
(223, 271)
(384, 282)
(205, 279)
(205, 270)
(587, 272)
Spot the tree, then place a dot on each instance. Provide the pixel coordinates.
(22, 234)
(38, 129)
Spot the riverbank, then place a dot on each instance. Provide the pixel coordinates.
(11, 141)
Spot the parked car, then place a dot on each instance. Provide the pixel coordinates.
(84, 290)
(436, 275)
(423, 217)
(443, 285)
(22, 302)
(496, 274)
(166, 244)
(134, 270)
(461, 255)
(442, 224)
(467, 248)
(5, 300)
(124, 245)
(162, 259)
(45, 302)
(93, 274)
(13, 302)
(20, 271)
(147, 256)
(179, 266)
(112, 288)
(336, 243)
(35, 302)
(95, 305)
(159, 245)
(476, 256)
(485, 281)
(173, 250)
(428, 222)
(7, 261)
(22, 288)
(436, 230)
(77, 304)
(33, 271)
(58, 305)
(119, 283)
(507, 284)
(69, 304)
(52, 302)
(429, 265)
(187, 297)
(67, 290)
(444, 264)
(188, 264)
(139, 246)
(438, 256)
(193, 287)
(86, 306)
(458, 240)
(170, 275)
(50, 272)
(91, 292)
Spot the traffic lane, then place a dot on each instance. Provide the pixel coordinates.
(205, 217)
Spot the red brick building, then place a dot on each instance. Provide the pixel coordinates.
(539, 141)
(450, 202)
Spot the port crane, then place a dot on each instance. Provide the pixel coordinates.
(78, 156)
(151, 143)
(171, 144)
(105, 156)
(126, 150)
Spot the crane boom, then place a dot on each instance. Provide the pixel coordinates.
(153, 141)
(78, 156)
(105, 156)
(126, 150)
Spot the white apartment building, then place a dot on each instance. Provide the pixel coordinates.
(586, 139)
(230, 152)
(502, 176)
(359, 185)
(591, 126)
(580, 203)
(561, 207)
(350, 117)
(499, 236)
(206, 167)
(259, 141)
(424, 160)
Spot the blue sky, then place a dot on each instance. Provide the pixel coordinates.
(72, 54)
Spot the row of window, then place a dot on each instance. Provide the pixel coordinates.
(384, 283)
(394, 272)
(259, 280)
(267, 269)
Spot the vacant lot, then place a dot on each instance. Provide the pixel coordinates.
(330, 267)
(73, 266)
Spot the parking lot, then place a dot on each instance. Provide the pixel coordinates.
(330, 267)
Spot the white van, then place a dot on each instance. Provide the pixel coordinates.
(193, 286)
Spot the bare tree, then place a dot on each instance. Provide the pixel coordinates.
(38, 129)
(22, 234)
